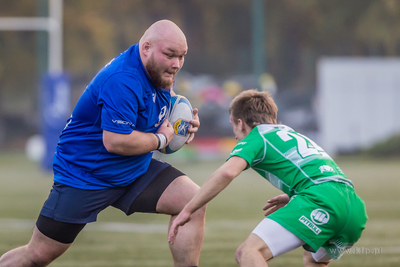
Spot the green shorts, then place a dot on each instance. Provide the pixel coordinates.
(329, 215)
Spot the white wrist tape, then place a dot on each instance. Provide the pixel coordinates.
(162, 140)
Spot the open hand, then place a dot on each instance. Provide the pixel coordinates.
(276, 203)
(180, 220)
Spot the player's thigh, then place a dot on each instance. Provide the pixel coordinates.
(278, 239)
(162, 189)
(178, 193)
(145, 192)
(78, 206)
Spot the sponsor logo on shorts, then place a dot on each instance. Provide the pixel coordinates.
(310, 224)
(326, 168)
(319, 216)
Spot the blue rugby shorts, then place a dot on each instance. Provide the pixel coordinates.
(78, 206)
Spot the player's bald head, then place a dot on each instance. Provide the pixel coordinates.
(163, 31)
(162, 50)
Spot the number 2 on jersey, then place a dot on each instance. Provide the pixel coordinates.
(305, 149)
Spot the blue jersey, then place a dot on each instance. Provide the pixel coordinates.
(119, 99)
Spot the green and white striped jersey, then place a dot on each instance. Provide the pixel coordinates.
(288, 160)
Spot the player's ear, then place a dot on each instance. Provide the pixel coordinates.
(241, 125)
(146, 48)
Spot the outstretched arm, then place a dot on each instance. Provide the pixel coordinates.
(220, 179)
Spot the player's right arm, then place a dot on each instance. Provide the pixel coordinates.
(217, 182)
(135, 143)
(121, 97)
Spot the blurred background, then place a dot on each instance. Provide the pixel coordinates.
(332, 66)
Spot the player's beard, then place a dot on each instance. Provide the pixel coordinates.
(155, 75)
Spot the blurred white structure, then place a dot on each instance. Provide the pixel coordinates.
(52, 24)
(358, 102)
(35, 148)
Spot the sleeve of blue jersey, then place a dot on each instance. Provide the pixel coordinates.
(122, 97)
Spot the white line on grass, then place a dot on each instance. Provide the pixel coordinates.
(10, 223)
(6, 223)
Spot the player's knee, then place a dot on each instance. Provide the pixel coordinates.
(238, 254)
(252, 247)
(25, 256)
(39, 259)
(243, 251)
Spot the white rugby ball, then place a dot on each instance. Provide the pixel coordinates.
(179, 115)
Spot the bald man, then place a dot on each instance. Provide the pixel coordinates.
(104, 156)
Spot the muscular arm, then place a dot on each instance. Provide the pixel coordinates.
(217, 182)
(135, 143)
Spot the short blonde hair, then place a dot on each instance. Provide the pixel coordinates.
(254, 108)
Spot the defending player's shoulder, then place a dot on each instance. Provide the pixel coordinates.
(250, 147)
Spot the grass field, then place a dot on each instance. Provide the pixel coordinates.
(141, 239)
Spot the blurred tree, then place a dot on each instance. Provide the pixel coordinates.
(378, 28)
(218, 33)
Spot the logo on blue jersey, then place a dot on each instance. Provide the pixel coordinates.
(124, 122)
(161, 116)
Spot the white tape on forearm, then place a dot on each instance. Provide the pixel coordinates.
(158, 139)
(162, 140)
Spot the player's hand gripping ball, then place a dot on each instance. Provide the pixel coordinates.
(179, 115)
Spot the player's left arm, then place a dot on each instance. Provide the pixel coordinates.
(217, 182)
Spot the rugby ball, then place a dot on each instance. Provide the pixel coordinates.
(180, 114)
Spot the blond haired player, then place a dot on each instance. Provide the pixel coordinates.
(319, 209)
